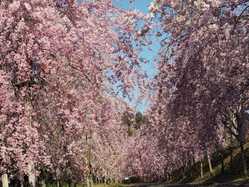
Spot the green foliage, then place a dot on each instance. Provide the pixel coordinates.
(133, 121)
(130, 131)
(140, 120)
(128, 119)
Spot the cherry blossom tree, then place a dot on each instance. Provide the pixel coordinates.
(57, 60)
(207, 49)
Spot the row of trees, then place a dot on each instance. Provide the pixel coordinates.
(59, 60)
(202, 90)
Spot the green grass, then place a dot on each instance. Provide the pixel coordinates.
(231, 174)
(84, 185)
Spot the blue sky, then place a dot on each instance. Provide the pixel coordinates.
(148, 53)
(141, 5)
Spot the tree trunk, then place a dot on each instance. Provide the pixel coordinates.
(32, 177)
(5, 180)
(31, 166)
(231, 160)
(222, 166)
(89, 182)
(21, 183)
(183, 172)
(210, 164)
(43, 183)
(243, 159)
(167, 177)
(105, 181)
(202, 170)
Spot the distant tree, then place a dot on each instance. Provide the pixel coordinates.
(140, 120)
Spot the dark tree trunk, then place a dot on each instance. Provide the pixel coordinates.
(231, 160)
(222, 166)
(243, 159)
